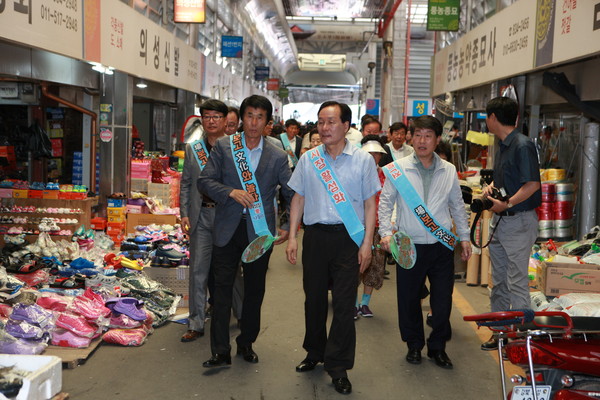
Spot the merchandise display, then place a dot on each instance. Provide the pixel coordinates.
(68, 292)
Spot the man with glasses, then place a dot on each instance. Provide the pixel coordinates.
(198, 213)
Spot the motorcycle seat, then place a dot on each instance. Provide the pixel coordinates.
(580, 324)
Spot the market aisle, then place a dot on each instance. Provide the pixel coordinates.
(166, 368)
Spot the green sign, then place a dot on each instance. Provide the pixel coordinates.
(442, 15)
(284, 92)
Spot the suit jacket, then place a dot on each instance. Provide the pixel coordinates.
(220, 177)
(298, 145)
(190, 199)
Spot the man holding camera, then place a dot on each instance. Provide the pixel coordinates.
(517, 171)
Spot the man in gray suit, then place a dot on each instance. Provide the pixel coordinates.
(198, 212)
(234, 230)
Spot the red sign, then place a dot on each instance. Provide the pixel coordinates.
(189, 11)
(273, 84)
(106, 135)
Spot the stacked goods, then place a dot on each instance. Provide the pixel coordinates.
(555, 214)
(563, 210)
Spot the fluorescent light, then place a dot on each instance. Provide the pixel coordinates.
(142, 85)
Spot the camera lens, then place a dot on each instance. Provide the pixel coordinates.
(478, 205)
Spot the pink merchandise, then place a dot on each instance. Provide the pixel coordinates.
(76, 324)
(65, 338)
(54, 301)
(125, 337)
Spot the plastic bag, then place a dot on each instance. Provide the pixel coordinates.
(584, 310)
(569, 299)
(126, 337)
(39, 143)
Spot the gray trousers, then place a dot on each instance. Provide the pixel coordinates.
(509, 251)
(201, 244)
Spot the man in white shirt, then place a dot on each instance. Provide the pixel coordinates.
(292, 128)
(397, 147)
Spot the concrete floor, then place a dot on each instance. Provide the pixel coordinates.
(165, 368)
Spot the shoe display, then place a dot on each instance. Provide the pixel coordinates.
(365, 311)
(491, 344)
(171, 254)
(247, 354)
(342, 385)
(307, 365)
(217, 360)
(191, 335)
(440, 358)
(413, 356)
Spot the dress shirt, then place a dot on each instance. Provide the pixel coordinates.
(356, 173)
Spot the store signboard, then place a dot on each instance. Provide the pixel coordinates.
(419, 108)
(373, 106)
(273, 84)
(261, 73)
(55, 26)
(232, 46)
(575, 26)
(525, 36)
(443, 15)
(189, 11)
(500, 47)
(134, 44)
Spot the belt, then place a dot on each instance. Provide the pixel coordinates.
(208, 205)
(329, 227)
(509, 213)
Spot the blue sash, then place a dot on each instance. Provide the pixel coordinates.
(394, 172)
(287, 146)
(337, 195)
(200, 152)
(241, 159)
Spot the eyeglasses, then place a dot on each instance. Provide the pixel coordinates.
(213, 117)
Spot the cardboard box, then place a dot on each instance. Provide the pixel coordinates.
(560, 278)
(134, 220)
(44, 380)
(20, 193)
(115, 211)
(176, 279)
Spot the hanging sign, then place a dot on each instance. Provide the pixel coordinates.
(189, 11)
(232, 46)
(442, 15)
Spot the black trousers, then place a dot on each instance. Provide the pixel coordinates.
(436, 262)
(225, 262)
(330, 255)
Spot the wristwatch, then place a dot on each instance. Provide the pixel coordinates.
(509, 204)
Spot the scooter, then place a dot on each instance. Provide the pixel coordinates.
(560, 353)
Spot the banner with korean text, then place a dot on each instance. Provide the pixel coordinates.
(525, 36)
(134, 44)
(55, 26)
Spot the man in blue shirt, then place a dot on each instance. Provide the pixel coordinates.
(517, 171)
(328, 249)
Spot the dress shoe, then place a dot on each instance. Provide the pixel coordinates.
(414, 356)
(342, 385)
(307, 365)
(441, 358)
(191, 335)
(217, 360)
(491, 344)
(248, 354)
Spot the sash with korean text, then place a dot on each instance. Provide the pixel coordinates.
(337, 195)
(287, 146)
(394, 172)
(200, 152)
(241, 159)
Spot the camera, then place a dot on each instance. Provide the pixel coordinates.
(478, 205)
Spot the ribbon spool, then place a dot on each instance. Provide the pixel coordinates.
(564, 192)
(546, 229)
(545, 211)
(554, 175)
(548, 192)
(563, 229)
(563, 210)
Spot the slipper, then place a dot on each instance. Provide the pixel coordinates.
(130, 307)
(81, 263)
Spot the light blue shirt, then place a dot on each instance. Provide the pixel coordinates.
(357, 174)
(255, 154)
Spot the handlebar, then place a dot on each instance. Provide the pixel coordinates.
(540, 319)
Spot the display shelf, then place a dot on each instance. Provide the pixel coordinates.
(85, 205)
